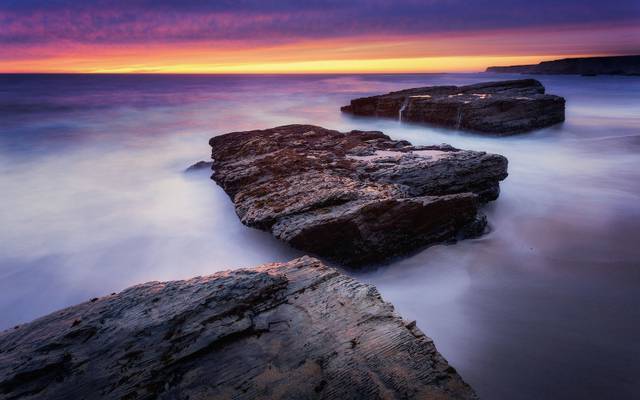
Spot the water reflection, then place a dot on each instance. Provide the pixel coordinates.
(94, 199)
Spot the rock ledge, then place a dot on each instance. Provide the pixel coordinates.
(356, 197)
(280, 331)
(502, 108)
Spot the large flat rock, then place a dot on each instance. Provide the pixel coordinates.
(356, 197)
(298, 330)
(503, 108)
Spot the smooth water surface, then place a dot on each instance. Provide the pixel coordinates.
(94, 199)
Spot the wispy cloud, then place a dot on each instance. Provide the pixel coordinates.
(54, 29)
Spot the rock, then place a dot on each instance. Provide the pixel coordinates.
(200, 165)
(356, 197)
(503, 108)
(588, 66)
(280, 331)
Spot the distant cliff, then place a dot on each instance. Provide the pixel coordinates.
(619, 65)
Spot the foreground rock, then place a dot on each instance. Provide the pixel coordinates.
(614, 65)
(280, 331)
(355, 197)
(504, 108)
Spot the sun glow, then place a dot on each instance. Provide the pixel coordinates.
(390, 65)
(368, 54)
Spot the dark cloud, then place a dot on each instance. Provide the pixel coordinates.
(119, 21)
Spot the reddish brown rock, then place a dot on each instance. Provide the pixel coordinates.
(356, 197)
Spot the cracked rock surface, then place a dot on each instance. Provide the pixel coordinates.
(503, 108)
(297, 330)
(356, 197)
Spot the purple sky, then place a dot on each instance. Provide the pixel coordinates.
(28, 26)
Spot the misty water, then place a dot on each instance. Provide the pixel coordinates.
(94, 198)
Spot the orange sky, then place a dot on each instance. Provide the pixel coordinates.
(466, 52)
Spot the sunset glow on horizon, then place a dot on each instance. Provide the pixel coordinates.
(318, 37)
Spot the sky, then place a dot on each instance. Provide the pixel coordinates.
(307, 36)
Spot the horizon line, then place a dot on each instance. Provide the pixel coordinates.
(292, 71)
(244, 73)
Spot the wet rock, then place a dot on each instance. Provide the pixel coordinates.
(280, 331)
(502, 108)
(356, 197)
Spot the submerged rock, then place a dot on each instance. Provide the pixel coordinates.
(280, 331)
(505, 107)
(356, 197)
(200, 165)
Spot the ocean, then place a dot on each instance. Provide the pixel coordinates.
(94, 198)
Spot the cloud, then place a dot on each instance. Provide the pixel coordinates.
(29, 22)
(278, 35)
